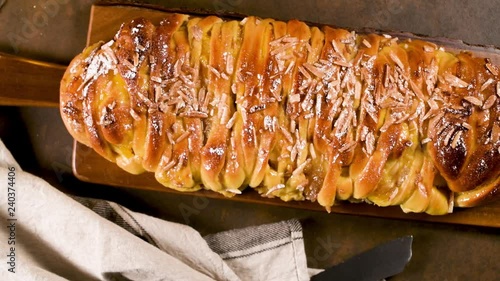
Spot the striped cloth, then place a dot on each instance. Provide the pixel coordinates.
(59, 237)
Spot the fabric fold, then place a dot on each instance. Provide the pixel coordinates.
(60, 237)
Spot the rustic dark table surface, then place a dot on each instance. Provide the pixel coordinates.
(55, 31)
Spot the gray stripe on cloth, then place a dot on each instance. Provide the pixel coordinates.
(274, 235)
(263, 249)
(104, 209)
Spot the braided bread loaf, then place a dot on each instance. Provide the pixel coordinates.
(293, 111)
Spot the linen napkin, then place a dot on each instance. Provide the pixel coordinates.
(58, 237)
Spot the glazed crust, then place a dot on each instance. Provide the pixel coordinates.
(294, 111)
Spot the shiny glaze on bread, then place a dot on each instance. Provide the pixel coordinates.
(294, 111)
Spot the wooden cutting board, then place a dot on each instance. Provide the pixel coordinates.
(89, 166)
(26, 82)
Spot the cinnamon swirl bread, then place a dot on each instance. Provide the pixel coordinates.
(293, 111)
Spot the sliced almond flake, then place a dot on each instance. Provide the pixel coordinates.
(366, 43)
(318, 73)
(347, 78)
(294, 152)
(357, 90)
(224, 76)
(224, 115)
(178, 67)
(498, 89)
(389, 121)
(287, 39)
(347, 146)
(183, 136)
(486, 84)
(287, 134)
(158, 92)
(274, 188)
(206, 102)
(312, 151)
(293, 126)
(371, 110)
(290, 67)
(170, 165)
(387, 36)
(194, 114)
(112, 105)
(280, 63)
(174, 101)
(348, 40)
(451, 202)
(492, 68)
(309, 116)
(336, 47)
(141, 48)
(309, 48)
(229, 64)
(108, 44)
(342, 63)
(155, 79)
(466, 125)
(257, 108)
(275, 123)
(426, 140)
(295, 98)
(163, 107)
(164, 159)
(243, 21)
(417, 90)
(184, 95)
(432, 104)
(304, 72)
(455, 81)
(363, 133)
(231, 121)
(456, 139)
(495, 133)
(214, 71)
(370, 143)
(197, 32)
(396, 60)
(187, 80)
(129, 65)
(429, 48)
(396, 95)
(146, 100)
(301, 167)
(448, 136)
(402, 118)
(136, 59)
(418, 111)
(234, 190)
(489, 102)
(298, 54)
(319, 101)
(111, 54)
(474, 100)
(386, 75)
(283, 48)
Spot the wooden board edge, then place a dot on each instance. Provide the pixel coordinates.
(462, 216)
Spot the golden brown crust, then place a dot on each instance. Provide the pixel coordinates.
(294, 111)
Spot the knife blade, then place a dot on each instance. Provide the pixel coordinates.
(376, 264)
